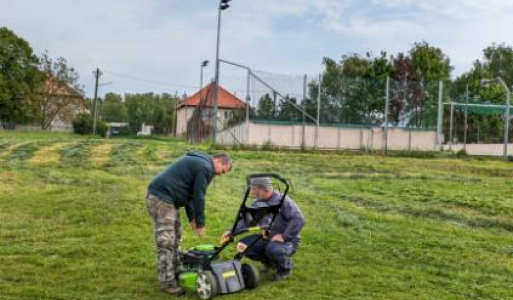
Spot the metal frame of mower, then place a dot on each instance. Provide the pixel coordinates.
(207, 277)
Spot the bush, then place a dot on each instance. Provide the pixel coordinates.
(268, 146)
(237, 146)
(83, 124)
(462, 153)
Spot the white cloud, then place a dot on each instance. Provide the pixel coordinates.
(166, 40)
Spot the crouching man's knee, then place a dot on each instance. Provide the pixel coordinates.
(276, 251)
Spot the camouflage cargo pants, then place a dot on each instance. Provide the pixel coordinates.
(168, 235)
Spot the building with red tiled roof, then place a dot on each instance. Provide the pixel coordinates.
(227, 103)
(60, 104)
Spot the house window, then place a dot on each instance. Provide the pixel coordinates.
(228, 114)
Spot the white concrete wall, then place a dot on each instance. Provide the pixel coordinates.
(182, 116)
(291, 136)
(234, 135)
(482, 149)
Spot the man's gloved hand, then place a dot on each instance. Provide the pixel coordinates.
(225, 237)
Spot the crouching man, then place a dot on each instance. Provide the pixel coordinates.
(276, 249)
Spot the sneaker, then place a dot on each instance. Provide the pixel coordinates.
(175, 291)
(282, 275)
(267, 268)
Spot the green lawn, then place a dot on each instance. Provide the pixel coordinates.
(74, 225)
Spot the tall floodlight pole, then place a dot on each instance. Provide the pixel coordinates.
(202, 66)
(223, 5)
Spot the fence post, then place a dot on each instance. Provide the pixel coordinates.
(387, 97)
(440, 116)
(338, 138)
(248, 105)
(303, 141)
(450, 126)
(409, 139)
(318, 113)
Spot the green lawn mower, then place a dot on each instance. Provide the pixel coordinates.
(202, 271)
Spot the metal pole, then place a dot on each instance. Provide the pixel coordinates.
(466, 120)
(440, 115)
(201, 99)
(97, 75)
(256, 77)
(186, 119)
(506, 131)
(506, 117)
(318, 113)
(248, 105)
(201, 84)
(304, 108)
(387, 99)
(216, 88)
(450, 127)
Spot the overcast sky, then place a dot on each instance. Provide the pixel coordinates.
(158, 45)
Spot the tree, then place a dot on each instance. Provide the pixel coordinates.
(498, 60)
(430, 65)
(113, 109)
(406, 91)
(83, 124)
(18, 76)
(58, 95)
(353, 90)
(287, 111)
(265, 108)
(164, 113)
(151, 109)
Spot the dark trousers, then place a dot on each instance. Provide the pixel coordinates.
(274, 254)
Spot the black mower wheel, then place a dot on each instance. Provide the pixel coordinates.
(206, 285)
(251, 276)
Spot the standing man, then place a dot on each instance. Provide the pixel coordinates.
(182, 184)
(275, 250)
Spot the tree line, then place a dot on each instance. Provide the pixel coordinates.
(352, 91)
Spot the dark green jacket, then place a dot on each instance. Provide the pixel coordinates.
(184, 183)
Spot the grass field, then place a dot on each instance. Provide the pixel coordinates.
(74, 225)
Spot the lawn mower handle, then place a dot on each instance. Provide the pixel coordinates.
(231, 237)
(273, 175)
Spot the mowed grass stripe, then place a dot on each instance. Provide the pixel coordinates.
(125, 153)
(377, 228)
(76, 154)
(101, 153)
(48, 154)
(22, 152)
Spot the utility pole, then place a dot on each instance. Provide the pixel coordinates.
(97, 73)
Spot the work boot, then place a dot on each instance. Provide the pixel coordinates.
(267, 268)
(175, 291)
(283, 275)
